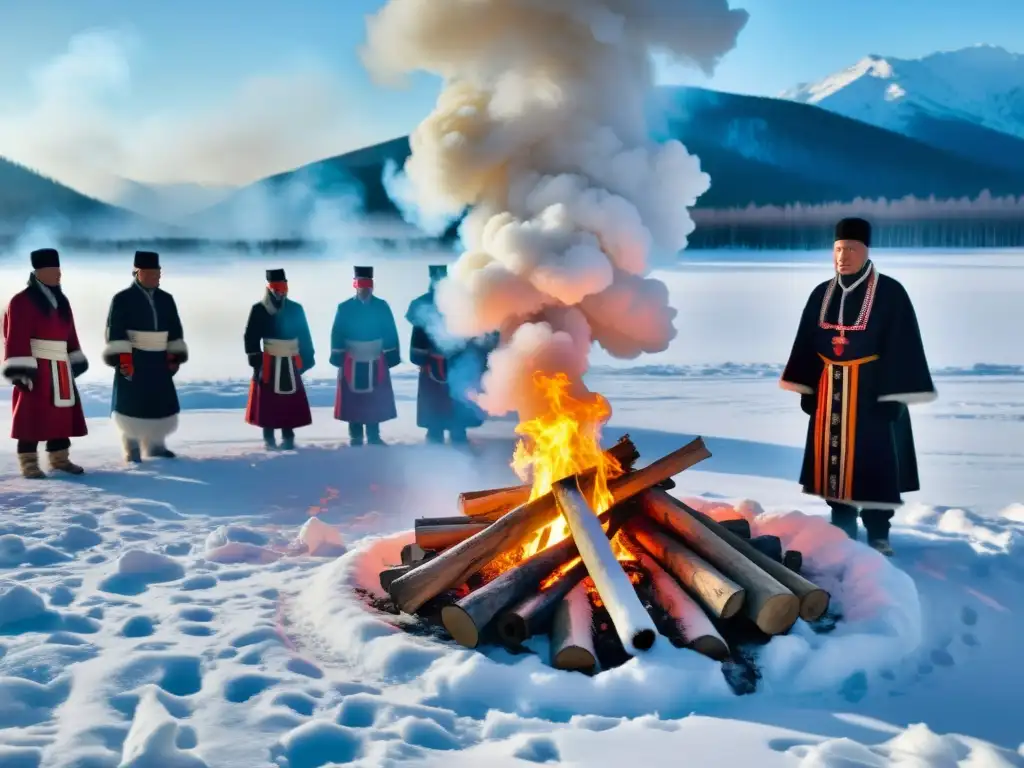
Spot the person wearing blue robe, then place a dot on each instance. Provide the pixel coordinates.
(364, 349)
(145, 347)
(448, 368)
(279, 348)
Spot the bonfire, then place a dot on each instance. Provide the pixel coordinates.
(595, 554)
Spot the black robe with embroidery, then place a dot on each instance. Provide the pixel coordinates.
(860, 446)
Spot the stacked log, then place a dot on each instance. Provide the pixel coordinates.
(701, 578)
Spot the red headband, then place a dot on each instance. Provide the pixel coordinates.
(363, 282)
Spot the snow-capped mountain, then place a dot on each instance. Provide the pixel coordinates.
(970, 100)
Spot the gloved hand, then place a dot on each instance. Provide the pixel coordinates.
(126, 365)
(809, 404)
(173, 364)
(23, 383)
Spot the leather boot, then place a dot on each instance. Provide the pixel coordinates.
(59, 461)
(29, 463)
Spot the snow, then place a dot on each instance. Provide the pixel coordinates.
(199, 612)
(981, 83)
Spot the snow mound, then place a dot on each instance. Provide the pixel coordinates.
(19, 603)
(241, 552)
(225, 534)
(879, 604)
(138, 568)
(153, 737)
(916, 746)
(321, 539)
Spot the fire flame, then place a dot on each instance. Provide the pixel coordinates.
(562, 441)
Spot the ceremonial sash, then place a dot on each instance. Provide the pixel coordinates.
(148, 341)
(281, 359)
(835, 427)
(56, 353)
(358, 365)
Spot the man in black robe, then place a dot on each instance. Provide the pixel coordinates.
(857, 362)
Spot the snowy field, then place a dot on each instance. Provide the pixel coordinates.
(137, 631)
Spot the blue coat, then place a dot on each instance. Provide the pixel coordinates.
(149, 393)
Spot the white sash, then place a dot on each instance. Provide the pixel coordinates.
(148, 341)
(284, 352)
(364, 353)
(56, 352)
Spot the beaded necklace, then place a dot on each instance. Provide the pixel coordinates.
(840, 341)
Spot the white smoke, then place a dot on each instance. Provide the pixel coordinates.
(541, 129)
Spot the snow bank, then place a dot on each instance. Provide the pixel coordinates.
(19, 603)
(879, 603)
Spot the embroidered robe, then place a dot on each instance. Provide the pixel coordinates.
(364, 347)
(857, 367)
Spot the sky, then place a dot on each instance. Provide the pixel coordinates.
(223, 92)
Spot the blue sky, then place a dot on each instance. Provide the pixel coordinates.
(190, 56)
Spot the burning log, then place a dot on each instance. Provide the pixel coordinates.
(572, 632)
(631, 620)
(693, 628)
(813, 601)
(437, 533)
(720, 595)
(739, 526)
(492, 504)
(466, 619)
(532, 615)
(793, 560)
(771, 606)
(770, 546)
(413, 554)
(388, 575)
(455, 565)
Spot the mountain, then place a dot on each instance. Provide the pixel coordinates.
(968, 101)
(26, 196)
(758, 150)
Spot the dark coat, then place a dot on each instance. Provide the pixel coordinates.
(860, 445)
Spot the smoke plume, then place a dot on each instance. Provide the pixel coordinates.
(541, 129)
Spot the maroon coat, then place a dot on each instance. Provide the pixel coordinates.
(41, 350)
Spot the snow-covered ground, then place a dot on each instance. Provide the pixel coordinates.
(156, 617)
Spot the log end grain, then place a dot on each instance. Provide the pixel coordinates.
(814, 604)
(734, 604)
(644, 639)
(710, 646)
(512, 629)
(574, 658)
(778, 613)
(460, 626)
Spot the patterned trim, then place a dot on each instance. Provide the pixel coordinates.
(865, 504)
(835, 428)
(865, 307)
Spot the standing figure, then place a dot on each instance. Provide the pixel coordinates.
(438, 408)
(857, 362)
(145, 347)
(42, 359)
(280, 350)
(364, 347)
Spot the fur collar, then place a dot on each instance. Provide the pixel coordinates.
(44, 298)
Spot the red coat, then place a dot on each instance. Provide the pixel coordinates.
(41, 347)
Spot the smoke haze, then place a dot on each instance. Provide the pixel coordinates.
(542, 130)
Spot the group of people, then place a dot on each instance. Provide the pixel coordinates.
(145, 345)
(857, 362)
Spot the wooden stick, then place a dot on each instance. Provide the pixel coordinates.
(813, 599)
(632, 623)
(532, 615)
(737, 525)
(388, 575)
(466, 619)
(436, 534)
(493, 503)
(572, 632)
(771, 606)
(770, 546)
(455, 565)
(412, 554)
(722, 597)
(694, 627)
